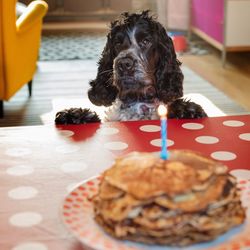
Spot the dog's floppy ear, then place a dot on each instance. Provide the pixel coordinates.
(102, 91)
(169, 77)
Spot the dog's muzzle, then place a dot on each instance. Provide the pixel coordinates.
(125, 65)
(131, 79)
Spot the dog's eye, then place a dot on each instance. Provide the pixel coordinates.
(144, 42)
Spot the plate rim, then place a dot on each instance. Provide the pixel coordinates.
(95, 178)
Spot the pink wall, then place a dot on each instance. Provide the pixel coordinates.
(208, 15)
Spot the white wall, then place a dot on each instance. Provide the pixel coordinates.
(173, 14)
(238, 23)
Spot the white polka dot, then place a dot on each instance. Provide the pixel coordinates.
(30, 246)
(25, 219)
(223, 155)
(150, 128)
(207, 139)
(74, 166)
(22, 193)
(116, 145)
(65, 149)
(233, 123)
(20, 170)
(245, 136)
(16, 152)
(241, 174)
(66, 133)
(107, 131)
(192, 126)
(157, 142)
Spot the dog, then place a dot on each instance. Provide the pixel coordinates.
(137, 71)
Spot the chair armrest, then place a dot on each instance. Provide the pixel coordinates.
(35, 11)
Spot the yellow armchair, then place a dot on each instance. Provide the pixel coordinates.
(19, 46)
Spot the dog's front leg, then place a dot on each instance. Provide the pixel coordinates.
(185, 109)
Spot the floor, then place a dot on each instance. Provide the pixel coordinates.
(52, 27)
(64, 84)
(233, 79)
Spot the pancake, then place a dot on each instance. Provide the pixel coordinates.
(158, 176)
(181, 201)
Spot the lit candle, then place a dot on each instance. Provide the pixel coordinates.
(162, 111)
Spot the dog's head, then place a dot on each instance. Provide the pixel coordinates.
(138, 64)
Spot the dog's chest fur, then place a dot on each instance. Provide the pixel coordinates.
(132, 112)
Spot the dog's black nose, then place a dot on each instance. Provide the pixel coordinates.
(125, 64)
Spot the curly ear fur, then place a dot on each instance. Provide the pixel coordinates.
(102, 91)
(169, 77)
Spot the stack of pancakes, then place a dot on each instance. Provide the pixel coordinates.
(180, 201)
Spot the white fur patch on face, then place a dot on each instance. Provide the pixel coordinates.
(132, 37)
(134, 112)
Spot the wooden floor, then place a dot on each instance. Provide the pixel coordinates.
(233, 79)
(55, 27)
(64, 84)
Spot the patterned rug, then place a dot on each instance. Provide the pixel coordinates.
(72, 46)
(89, 45)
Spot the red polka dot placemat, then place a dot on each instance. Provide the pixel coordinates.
(226, 139)
(40, 165)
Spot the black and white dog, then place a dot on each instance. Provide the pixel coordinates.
(137, 71)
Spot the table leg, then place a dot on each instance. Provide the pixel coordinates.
(30, 88)
(224, 57)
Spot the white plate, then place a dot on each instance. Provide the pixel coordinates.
(79, 218)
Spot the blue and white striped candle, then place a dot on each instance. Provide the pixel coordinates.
(162, 111)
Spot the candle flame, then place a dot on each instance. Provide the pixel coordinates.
(162, 110)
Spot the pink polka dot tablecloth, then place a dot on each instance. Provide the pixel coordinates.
(41, 165)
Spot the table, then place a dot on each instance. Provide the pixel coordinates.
(39, 165)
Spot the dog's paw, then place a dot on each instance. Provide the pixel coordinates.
(181, 109)
(76, 116)
(194, 112)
